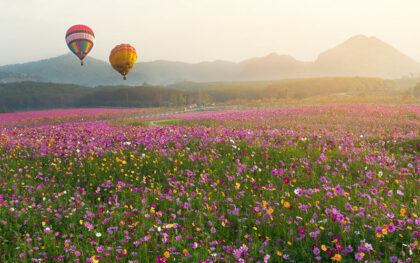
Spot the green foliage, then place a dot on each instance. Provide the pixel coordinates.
(35, 96)
(131, 122)
(292, 88)
(416, 90)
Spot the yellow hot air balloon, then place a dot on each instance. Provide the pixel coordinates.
(122, 58)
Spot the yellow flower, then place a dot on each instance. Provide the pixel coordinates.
(337, 257)
(384, 231)
(167, 254)
(270, 210)
(94, 260)
(324, 248)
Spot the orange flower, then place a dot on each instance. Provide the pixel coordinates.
(337, 257)
(167, 254)
(286, 204)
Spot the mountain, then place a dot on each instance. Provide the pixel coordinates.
(272, 66)
(67, 69)
(364, 56)
(10, 77)
(357, 56)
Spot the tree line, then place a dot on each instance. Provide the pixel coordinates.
(40, 96)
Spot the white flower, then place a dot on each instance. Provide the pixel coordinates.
(297, 191)
(98, 234)
(127, 143)
(159, 229)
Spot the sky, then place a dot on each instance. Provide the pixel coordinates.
(205, 30)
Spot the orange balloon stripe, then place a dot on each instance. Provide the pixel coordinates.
(121, 51)
(123, 48)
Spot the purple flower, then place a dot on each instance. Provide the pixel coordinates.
(393, 259)
(391, 228)
(349, 249)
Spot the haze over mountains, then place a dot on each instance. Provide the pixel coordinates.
(357, 56)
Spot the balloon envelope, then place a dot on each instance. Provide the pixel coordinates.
(123, 58)
(79, 39)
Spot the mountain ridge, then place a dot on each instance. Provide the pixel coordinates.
(357, 56)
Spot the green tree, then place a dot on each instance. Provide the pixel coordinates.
(416, 90)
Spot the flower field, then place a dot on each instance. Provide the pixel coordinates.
(36, 118)
(312, 184)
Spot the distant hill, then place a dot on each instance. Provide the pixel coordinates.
(364, 56)
(357, 56)
(271, 67)
(10, 77)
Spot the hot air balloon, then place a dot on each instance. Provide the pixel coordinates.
(122, 58)
(79, 39)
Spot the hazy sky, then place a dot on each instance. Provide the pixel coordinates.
(198, 30)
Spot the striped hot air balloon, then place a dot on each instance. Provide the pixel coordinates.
(79, 39)
(123, 58)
